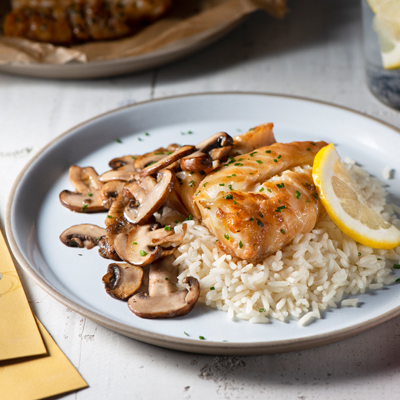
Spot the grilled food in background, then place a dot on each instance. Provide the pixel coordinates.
(67, 22)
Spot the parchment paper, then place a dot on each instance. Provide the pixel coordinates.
(187, 18)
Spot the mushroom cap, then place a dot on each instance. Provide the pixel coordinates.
(111, 191)
(82, 235)
(125, 173)
(149, 196)
(122, 280)
(164, 300)
(119, 162)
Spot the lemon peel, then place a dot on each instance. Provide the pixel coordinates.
(344, 203)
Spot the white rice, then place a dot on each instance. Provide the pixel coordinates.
(318, 270)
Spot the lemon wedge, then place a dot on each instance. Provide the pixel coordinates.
(346, 206)
(387, 26)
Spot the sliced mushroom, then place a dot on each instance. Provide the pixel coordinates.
(214, 148)
(164, 300)
(125, 173)
(106, 250)
(116, 210)
(145, 244)
(83, 235)
(151, 158)
(119, 162)
(110, 192)
(166, 161)
(87, 197)
(149, 196)
(122, 280)
(186, 187)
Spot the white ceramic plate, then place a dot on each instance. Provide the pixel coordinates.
(35, 217)
(100, 69)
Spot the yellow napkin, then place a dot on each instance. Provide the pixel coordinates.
(31, 364)
(19, 334)
(39, 377)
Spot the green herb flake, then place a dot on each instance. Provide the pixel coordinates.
(80, 255)
(397, 280)
(146, 134)
(109, 216)
(307, 201)
(222, 184)
(84, 207)
(251, 219)
(230, 187)
(308, 149)
(133, 158)
(283, 232)
(313, 143)
(261, 215)
(140, 139)
(118, 140)
(143, 253)
(259, 223)
(259, 162)
(315, 195)
(134, 243)
(359, 254)
(396, 266)
(269, 190)
(268, 151)
(280, 208)
(169, 152)
(234, 202)
(198, 192)
(240, 244)
(202, 338)
(298, 194)
(252, 154)
(379, 259)
(90, 194)
(159, 154)
(238, 165)
(261, 189)
(279, 157)
(190, 133)
(228, 197)
(280, 185)
(205, 184)
(212, 288)
(226, 236)
(275, 160)
(186, 333)
(262, 310)
(166, 278)
(168, 228)
(191, 183)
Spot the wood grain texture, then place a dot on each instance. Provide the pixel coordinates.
(316, 52)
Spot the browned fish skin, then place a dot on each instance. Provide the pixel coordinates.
(75, 21)
(256, 208)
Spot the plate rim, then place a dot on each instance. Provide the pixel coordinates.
(187, 344)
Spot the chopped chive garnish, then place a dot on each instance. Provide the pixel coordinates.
(252, 154)
(261, 189)
(202, 338)
(298, 194)
(234, 202)
(228, 197)
(397, 280)
(308, 149)
(280, 156)
(212, 288)
(167, 228)
(396, 266)
(240, 244)
(140, 139)
(307, 201)
(79, 254)
(191, 183)
(261, 215)
(146, 134)
(259, 223)
(251, 219)
(226, 236)
(238, 165)
(84, 207)
(268, 151)
(198, 192)
(315, 195)
(158, 154)
(185, 333)
(133, 158)
(166, 278)
(190, 132)
(279, 209)
(118, 140)
(205, 184)
(259, 162)
(222, 184)
(262, 310)
(313, 143)
(359, 254)
(109, 216)
(230, 187)
(275, 160)
(90, 194)
(280, 185)
(169, 152)
(142, 253)
(379, 259)
(282, 231)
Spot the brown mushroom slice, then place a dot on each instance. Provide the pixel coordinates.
(82, 235)
(106, 250)
(220, 153)
(220, 139)
(151, 158)
(126, 173)
(110, 192)
(186, 188)
(197, 161)
(87, 197)
(166, 161)
(149, 196)
(122, 280)
(164, 300)
(119, 162)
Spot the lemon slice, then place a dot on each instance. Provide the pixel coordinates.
(387, 26)
(346, 206)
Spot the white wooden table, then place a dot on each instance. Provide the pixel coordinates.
(316, 52)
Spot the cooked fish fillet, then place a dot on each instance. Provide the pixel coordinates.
(258, 202)
(74, 21)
